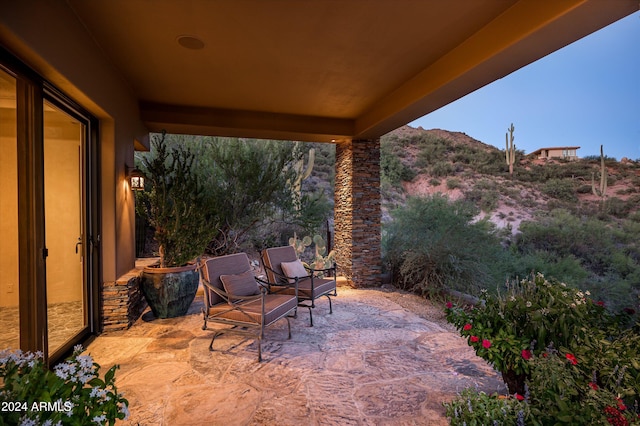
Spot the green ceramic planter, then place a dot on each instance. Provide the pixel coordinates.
(169, 291)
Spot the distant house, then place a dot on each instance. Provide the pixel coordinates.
(562, 152)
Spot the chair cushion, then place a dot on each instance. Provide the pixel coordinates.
(321, 286)
(240, 285)
(294, 269)
(276, 307)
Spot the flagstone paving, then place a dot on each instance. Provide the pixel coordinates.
(379, 359)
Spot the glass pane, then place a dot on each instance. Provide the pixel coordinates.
(64, 200)
(9, 312)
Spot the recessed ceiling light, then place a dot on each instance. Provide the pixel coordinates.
(190, 42)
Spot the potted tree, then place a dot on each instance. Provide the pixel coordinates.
(174, 206)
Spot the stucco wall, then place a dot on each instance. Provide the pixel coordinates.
(48, 37)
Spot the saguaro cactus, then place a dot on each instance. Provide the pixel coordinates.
(301, 174)
(510, 150)
(601, 190)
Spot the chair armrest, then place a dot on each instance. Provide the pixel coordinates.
(264, 284)
(328, 270)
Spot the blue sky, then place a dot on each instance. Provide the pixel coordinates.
(585, 94)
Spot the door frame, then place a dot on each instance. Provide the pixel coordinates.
(32, 90)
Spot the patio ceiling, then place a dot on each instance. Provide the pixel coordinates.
(318, 70)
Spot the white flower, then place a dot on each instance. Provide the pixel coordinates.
(588, 293)
(528, 304)
(84, 378)
(85, 361)
(27, 422)
(99, 419)
(61, 372)
(125, 410)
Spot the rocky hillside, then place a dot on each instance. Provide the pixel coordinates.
(422, 162)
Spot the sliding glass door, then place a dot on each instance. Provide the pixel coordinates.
(9, 275)
(64, 198)
(48, 226)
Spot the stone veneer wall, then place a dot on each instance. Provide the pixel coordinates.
(358, 212)
(122, 302)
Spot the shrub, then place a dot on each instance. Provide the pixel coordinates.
(579, 362)
(478, 408)
(72, 391)
(441, 169)
(392, 169)
(433, 243)
(561, 189)
(453, 183)
(617, 207)
(590, 383)
(528, 315)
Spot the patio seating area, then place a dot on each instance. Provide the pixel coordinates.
(378, 359)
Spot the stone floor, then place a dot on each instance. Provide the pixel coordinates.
(377, 360)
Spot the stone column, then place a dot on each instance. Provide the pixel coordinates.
(357, 211)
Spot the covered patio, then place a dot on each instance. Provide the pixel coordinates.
(382, 357)
(83, 83)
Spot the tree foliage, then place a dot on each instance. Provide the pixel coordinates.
(174, 202)
(244, 189)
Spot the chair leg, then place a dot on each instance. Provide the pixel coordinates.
(330, 307)
(310, 316)
(289, 326)
(216, 334)
(260, 348)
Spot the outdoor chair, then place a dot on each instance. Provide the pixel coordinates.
(234, 296)
(282, 266)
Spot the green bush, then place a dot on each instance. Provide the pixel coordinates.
(568, 247)
(72, 392)
(433, 243)
(568, 358)
(561, 189)
(392, 169)
(478, 408)
(453, 183)
(441, 169)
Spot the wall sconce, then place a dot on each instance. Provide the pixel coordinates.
(136, 178)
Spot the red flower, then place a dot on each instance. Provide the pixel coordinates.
(486, 344)
(593, 386)
(449, 305)
(467, 327)
(621, 405)
(544, 355)
(600, 303)
(615, 417)
(474, 339)
(571, 359)
(519, 397)
(526, 354)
